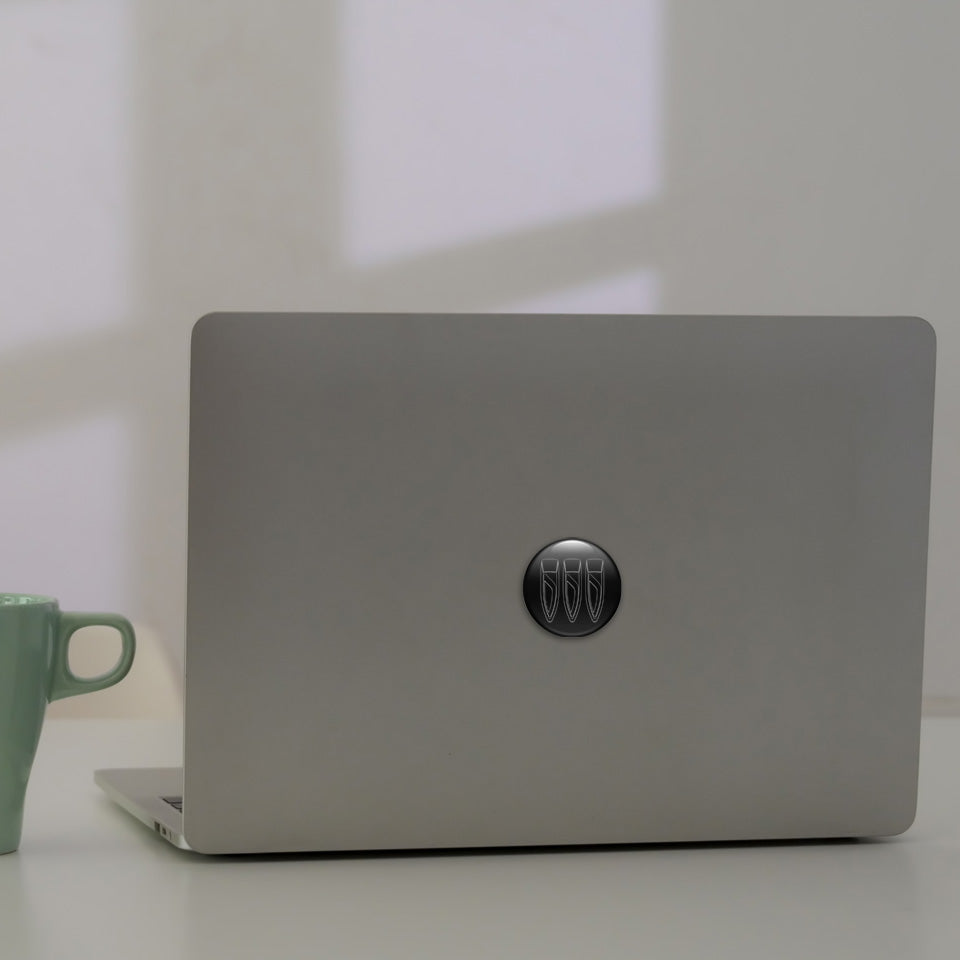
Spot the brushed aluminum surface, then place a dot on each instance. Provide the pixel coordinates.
(366, 492)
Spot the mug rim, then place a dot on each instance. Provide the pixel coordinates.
(10, 601)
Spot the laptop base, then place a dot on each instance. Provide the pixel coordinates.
(144, 793)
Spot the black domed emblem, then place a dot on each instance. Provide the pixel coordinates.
(572, 588)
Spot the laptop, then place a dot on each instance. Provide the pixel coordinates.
(489, 581)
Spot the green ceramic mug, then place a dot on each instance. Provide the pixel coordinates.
(34, 670)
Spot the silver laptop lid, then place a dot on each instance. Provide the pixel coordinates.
(369, 492)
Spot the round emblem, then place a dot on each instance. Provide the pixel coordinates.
(572, 588)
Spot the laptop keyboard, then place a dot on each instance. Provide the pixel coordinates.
(175, 802)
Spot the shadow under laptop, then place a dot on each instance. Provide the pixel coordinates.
(532, 850)
(834, 897)
(566, 901)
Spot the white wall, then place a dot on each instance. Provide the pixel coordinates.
(165, 158)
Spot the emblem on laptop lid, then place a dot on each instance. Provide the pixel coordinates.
(572, 588)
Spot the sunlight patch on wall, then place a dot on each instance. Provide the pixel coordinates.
(637, 292)
(467, 120)
(64, 88)
(64, 511)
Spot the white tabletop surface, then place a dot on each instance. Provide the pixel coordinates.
(89, 881)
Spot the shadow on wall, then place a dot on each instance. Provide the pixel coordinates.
(354, 158)
(162, 160)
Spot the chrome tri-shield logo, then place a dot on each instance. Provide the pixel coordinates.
(572, 588)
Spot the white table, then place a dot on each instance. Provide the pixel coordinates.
(89, 881)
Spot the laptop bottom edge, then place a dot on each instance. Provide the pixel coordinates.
(146, 793)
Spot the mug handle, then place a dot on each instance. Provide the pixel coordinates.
(63, 682)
